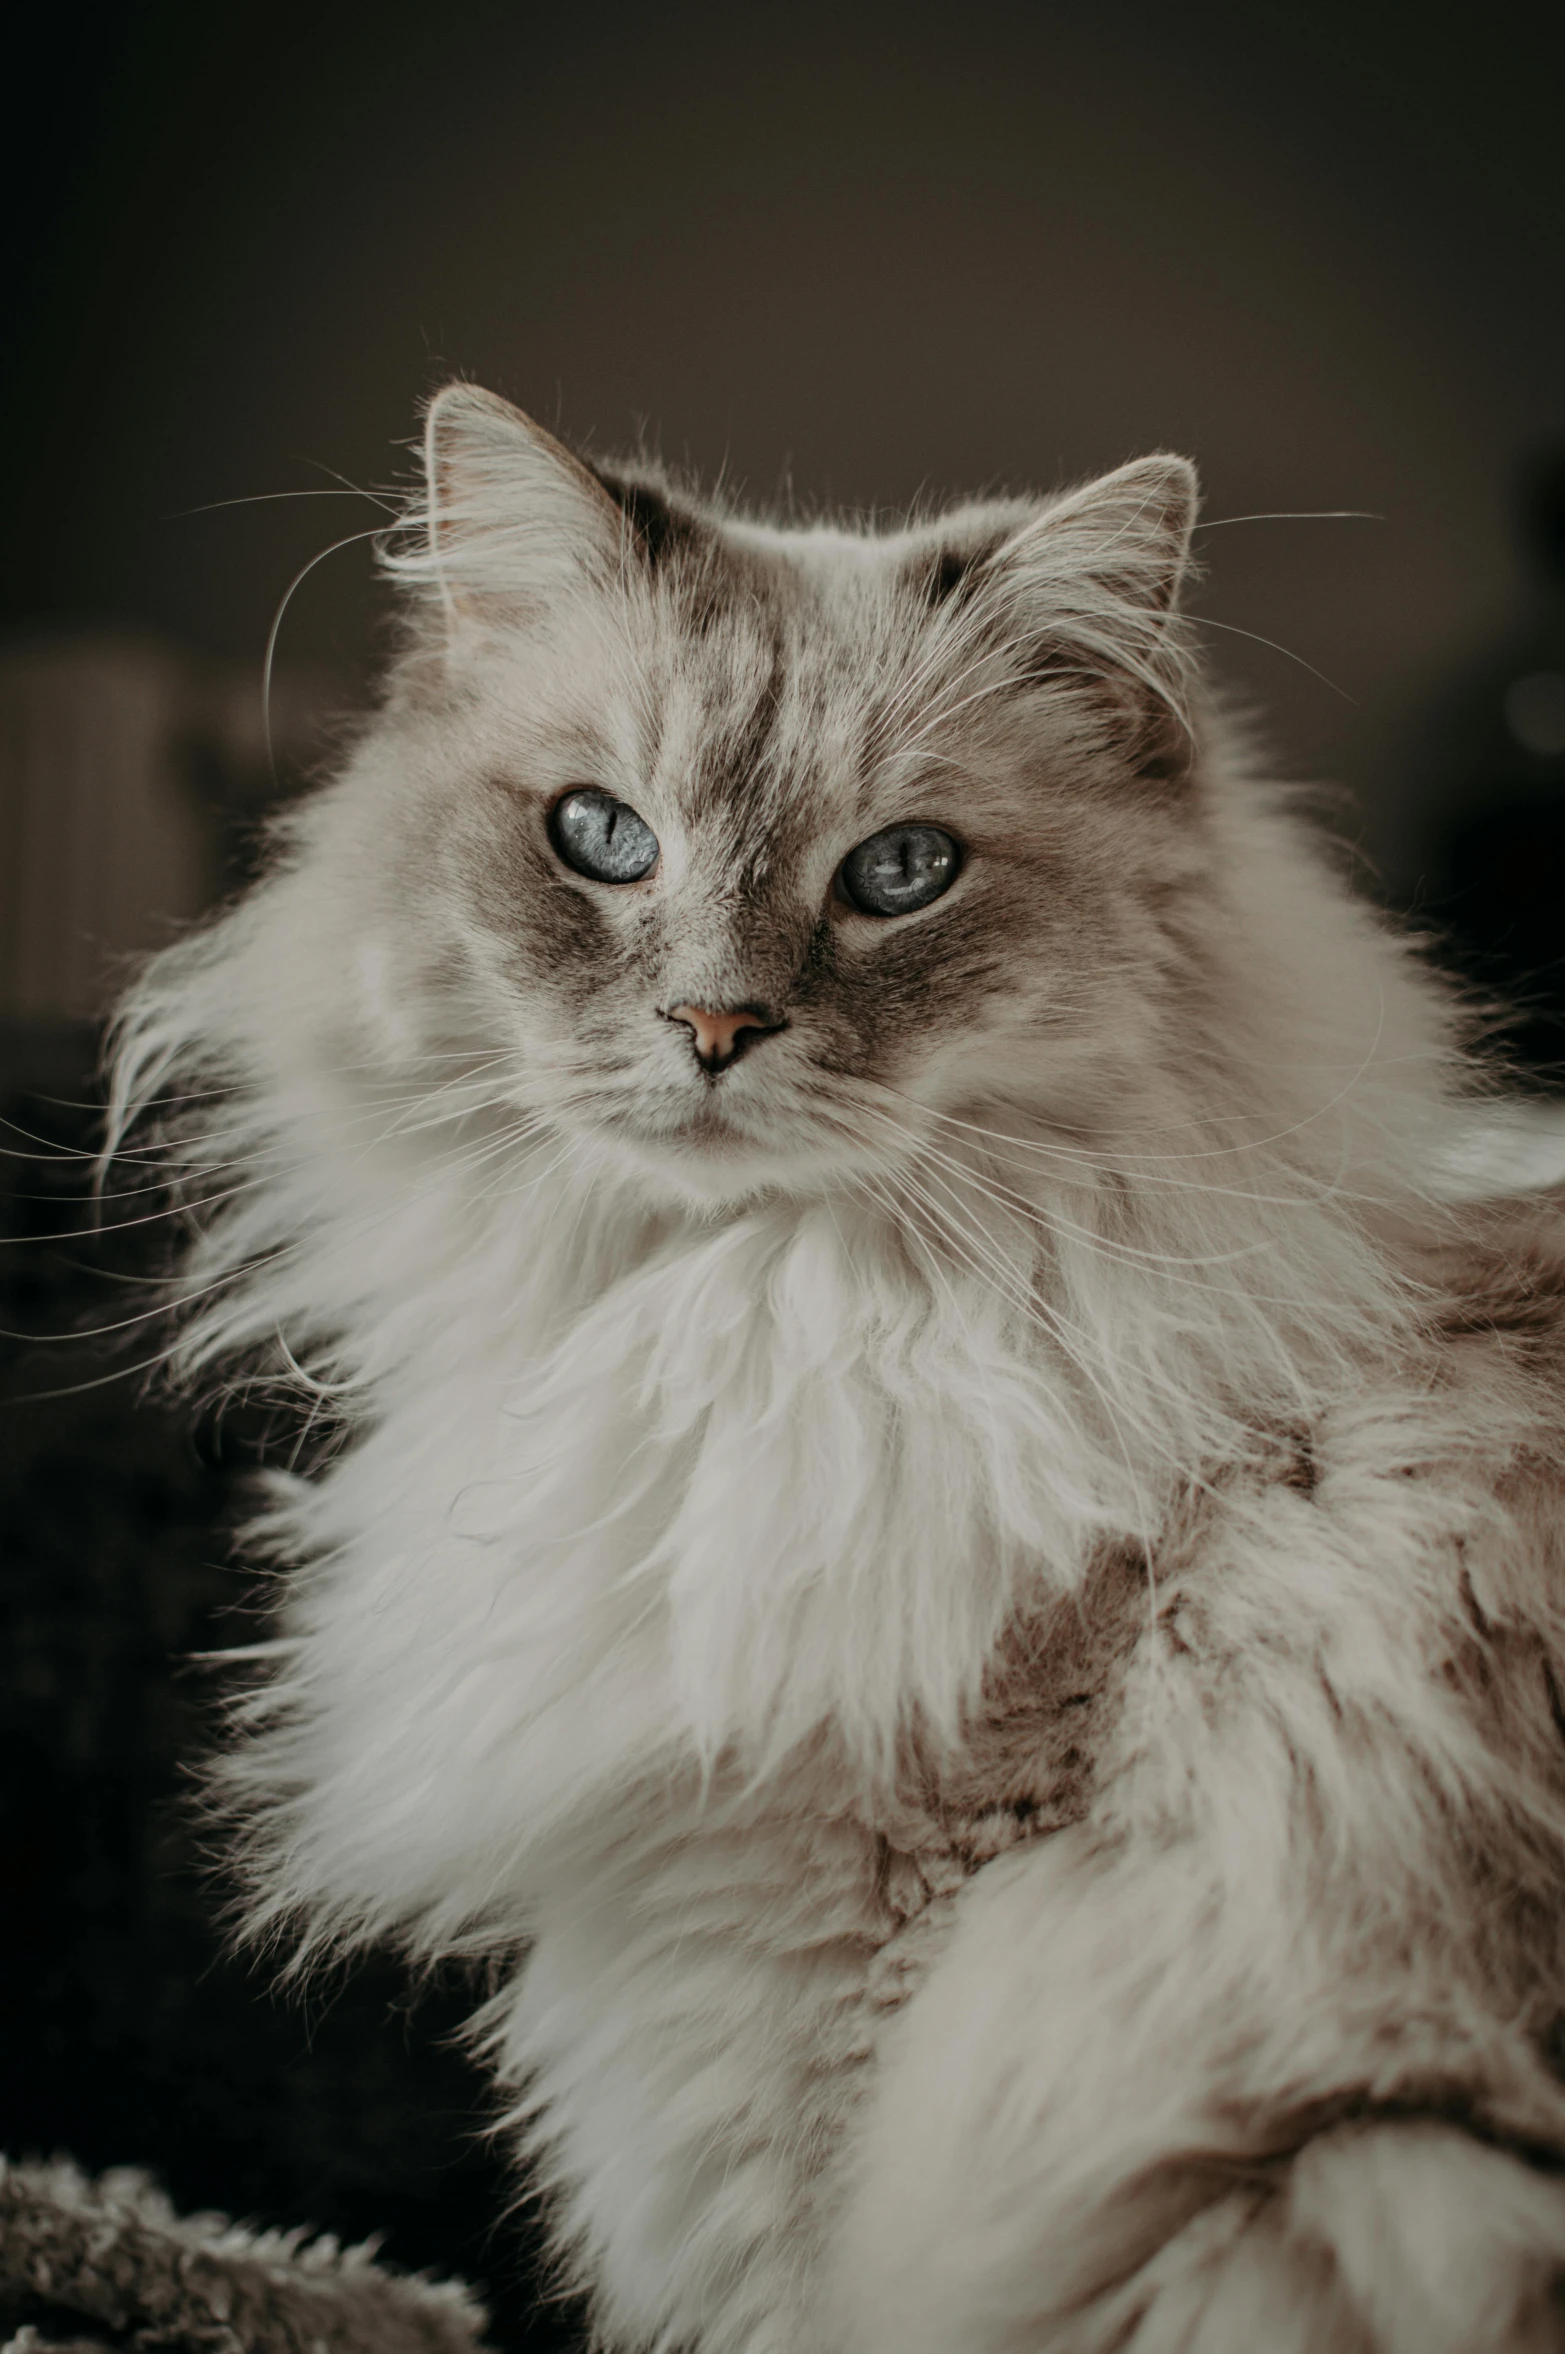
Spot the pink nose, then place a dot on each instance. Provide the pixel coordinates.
(719, 1036)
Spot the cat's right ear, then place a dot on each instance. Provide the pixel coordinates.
(512, 521)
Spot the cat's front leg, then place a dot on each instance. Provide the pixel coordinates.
(1233, 2070)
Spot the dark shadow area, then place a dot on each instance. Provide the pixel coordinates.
(1494, 801)
(132, 2035)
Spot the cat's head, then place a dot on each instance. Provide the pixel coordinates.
(741, 842)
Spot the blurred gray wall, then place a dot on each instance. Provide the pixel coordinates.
(852, 253)
(132, 774)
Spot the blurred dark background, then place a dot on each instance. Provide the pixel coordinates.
(841, 253)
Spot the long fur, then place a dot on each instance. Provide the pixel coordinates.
(981, 1624)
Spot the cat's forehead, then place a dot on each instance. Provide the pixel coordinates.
(780, 660)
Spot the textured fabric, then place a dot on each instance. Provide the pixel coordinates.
(90, 2265)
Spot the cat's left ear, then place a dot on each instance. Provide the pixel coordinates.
(512, 521)
(1120, 545)
(1089, 590)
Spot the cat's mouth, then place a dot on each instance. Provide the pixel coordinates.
(707, 1124)
(712, 1148)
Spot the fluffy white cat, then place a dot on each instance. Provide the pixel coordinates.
(942, 1525)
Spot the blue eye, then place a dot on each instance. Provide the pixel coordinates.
(899, 870)
(602, 837)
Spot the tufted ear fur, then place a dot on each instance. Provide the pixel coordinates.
(1090, 587)
(1125, 537)
(512, 521)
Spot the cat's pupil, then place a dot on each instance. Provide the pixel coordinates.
(602, 837)
(901, 869)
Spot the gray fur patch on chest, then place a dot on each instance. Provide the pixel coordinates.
(1050, 1701)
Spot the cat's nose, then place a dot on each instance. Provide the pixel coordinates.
(720, 1034)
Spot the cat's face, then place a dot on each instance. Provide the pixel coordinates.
(749, 844)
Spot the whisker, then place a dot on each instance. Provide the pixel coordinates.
(1205, 621)
(1053, 1222)
(124, 1225)
(1126, 1162)
(1309, 1189)
(1293, 515)
(96, 1381)
(178, 1298)
(352, 538)
(263, 498)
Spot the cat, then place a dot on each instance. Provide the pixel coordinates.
(942, 1520)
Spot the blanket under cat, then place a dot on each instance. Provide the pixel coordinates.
(919, 1486)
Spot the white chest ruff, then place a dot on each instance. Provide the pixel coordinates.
(754, 1506)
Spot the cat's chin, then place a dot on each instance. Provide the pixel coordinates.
(711, 1174)
(712, 1168)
